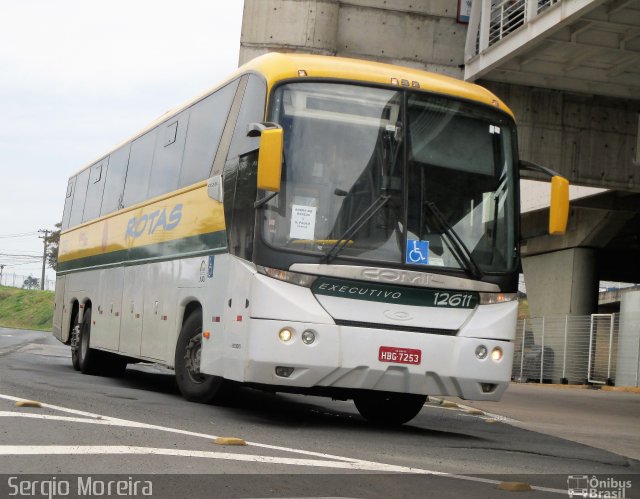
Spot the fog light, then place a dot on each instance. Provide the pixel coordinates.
(308, 336)
(481, 352)
(284, 372)
(496, 354)
(285, 334)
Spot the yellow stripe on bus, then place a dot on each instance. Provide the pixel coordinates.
(182, 214)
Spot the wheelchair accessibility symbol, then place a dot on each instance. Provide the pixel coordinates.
(417, 252)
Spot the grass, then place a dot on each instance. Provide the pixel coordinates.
(26, 308)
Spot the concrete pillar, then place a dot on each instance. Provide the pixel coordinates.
(562, 282)
(418, 33)
(628, 358)
(308, 26)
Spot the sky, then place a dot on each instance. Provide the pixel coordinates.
(79, 76)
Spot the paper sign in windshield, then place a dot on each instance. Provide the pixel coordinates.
(303, 222)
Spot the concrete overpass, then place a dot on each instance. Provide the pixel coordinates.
(569, 69)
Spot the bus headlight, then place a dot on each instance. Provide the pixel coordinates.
(305, 280)
(285, 334)
(493, 298)
(496, 354)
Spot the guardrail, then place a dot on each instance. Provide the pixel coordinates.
(578, 349)
(491, 21)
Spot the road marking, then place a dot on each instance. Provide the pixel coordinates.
(28, 450)
(331, 461)
(93, 417)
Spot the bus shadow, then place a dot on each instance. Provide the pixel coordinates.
(302, 412)
(253, 406)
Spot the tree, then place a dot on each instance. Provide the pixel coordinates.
(31, 283)
(53, 241)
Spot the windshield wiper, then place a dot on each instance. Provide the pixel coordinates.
(343, 240)
(461, 251)
(392, 134)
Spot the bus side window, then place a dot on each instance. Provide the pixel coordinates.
(240, 172)
(95, 190)
(114, 180)
(167, 158)
(206, 124)
(77, 208)
(251, 111)
(68, 202)
(140, 161)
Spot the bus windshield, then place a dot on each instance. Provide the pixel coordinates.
(394, 176)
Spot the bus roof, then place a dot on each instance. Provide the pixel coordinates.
(275, 67)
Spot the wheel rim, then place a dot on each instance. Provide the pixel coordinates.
(192, 357)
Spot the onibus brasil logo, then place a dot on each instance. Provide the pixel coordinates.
(593, 486)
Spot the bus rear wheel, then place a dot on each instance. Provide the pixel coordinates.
(389, 408)
(84, 358)
(194, 385)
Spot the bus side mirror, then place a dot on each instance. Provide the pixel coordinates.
(559, 202)
(559, 205)
(270, 154)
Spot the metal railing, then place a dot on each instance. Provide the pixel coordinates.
(491, 21)
(578, 349)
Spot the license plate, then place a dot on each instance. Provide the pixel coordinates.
(400, 355)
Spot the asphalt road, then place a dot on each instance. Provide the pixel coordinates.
(139, 428)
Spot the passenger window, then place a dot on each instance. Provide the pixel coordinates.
(67, 203)
(94, 191)
(251, 111)
(79, 197)
(116, 172)
(140, 161)
(240, 172)
(168, 156)
(206, 123)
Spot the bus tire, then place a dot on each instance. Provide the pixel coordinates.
(87, 358)
(194, 386)
(389, 408)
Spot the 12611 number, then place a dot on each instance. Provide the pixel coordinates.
(443, 299)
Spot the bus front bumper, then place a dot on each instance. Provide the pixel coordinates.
(345, 357)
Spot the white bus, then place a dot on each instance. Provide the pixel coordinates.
(313, 225)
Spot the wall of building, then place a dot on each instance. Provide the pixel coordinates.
(416, 33)
(592, 140)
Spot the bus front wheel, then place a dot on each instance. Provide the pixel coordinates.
(389, 408)
(194, 385)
